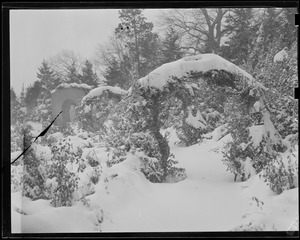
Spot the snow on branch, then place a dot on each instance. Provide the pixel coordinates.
(70, 85)
(99, 90)
(162, 75)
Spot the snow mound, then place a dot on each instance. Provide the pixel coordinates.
(99, 90)
(40, 217)
(120, 185)
(159, 77)
(70, 85)
(280, 56)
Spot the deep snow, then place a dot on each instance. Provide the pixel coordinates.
(207, 200)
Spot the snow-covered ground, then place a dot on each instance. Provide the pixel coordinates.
(207, 200)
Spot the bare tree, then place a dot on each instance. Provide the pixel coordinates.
(64, 62)
(201, 28)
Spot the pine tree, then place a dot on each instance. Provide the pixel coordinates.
(138, 39)
(270, 27)
(22, 94)
(242, 32)
(267, 37)
(72, 75)
(88, 76)
(47, 76)
(113, 75)
(13, 105)
(170, 46)
(289, 30)
(33, 92)
(48, 81)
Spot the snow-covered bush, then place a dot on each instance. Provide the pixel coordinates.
(175, 173)
(16, 174)
(192, 128)
(282, 172)
(139, 143)
(63, 182)
(281, 78)
(95, 108)
(34, 172)
(255, 141)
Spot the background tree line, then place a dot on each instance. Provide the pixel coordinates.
(244, 36)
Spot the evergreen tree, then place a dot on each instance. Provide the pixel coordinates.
(13, 105)
(22, 94)
(138, 39)
(170, 46)
(47, 81)
(88, 76)
(47, 76)
(270, 27)
(113, 75)
(289, 30)
(33, 92)
(72, 75)
(242, 33)
(268, 35)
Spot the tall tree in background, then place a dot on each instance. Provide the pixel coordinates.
(272, 35)
(66, 65)
(138, 39)
(201, 28)
(171, 49)
(13, 106)
(113, 61)
(270, 27)
(288, 27)
(33, 92)
(241, 33)
(48, 79)
(72, 74)
(88, 76)
(115, 75)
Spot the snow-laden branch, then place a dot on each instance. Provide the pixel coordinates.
(160, 77)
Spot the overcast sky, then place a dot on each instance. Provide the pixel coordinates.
(39, 34)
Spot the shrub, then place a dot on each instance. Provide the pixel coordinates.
(93, 111)
(64, 180)
(282, 172)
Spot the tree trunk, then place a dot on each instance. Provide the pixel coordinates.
(164, 150)
(154, 128)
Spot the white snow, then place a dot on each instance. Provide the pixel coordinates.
(87, 108)
(258, 132)
(248, 167)
(40, 217)
(256, 106)
(280, 56)
(99, 90)
(159, 77)
(197, 121)
(70, 85)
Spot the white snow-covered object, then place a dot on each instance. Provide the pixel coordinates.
(99, 90)
(257, 132)
(70, 85)
(281, 55)
(197, 121)
(160, 77)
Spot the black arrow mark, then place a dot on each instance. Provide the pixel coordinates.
(40, 135)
